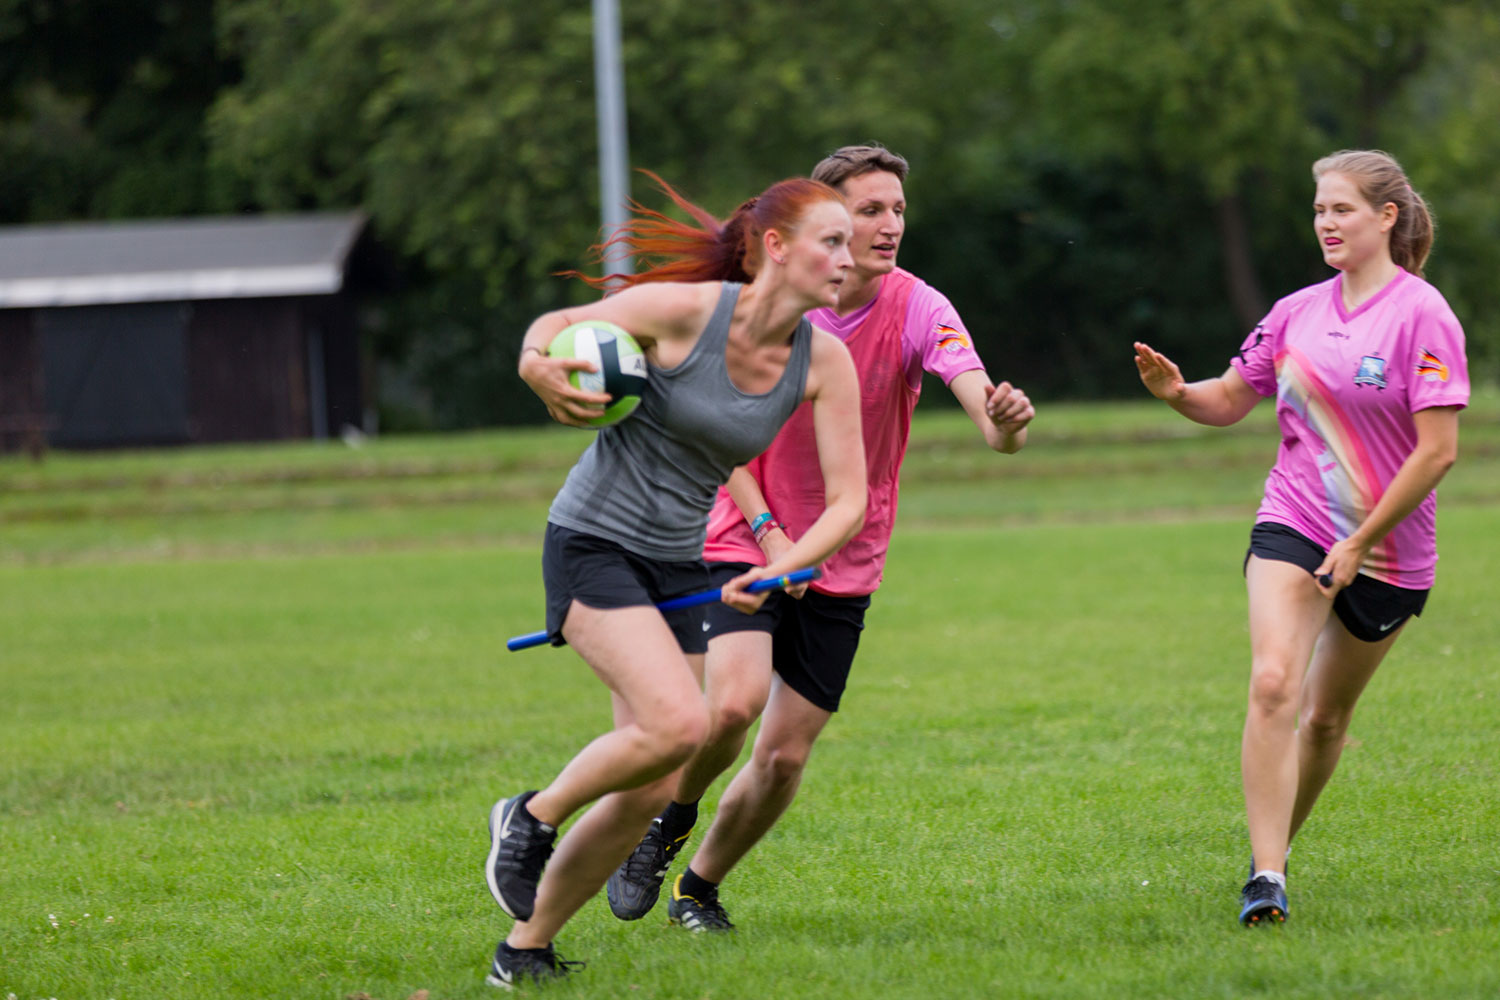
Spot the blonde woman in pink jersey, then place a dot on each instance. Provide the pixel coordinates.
(1369, 374)
(788, 663)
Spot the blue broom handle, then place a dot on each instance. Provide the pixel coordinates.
(688, 601)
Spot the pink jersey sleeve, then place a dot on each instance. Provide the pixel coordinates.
(1256, 360)
(1438, 359)
(935, 339)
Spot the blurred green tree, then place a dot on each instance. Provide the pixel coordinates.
(467, 129)
(1161, 156)
(101, 108)
(1084, 174)
(1450, 145)
(464, 127)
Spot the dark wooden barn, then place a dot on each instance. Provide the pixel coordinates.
(181, 331)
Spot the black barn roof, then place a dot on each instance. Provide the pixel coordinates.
(76, 264)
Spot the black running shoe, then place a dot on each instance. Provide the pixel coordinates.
(634, 887)
(519, 848)
(515, 965)
(697, 915)
(1263, 902)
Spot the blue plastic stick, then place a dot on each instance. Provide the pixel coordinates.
(687, 601)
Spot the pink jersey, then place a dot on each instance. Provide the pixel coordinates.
(907, 328)
(1346, 385)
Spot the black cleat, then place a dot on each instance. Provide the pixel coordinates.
(697, 915)
(1263, 902)
(519, 848)
(516, 965)
(634, 887)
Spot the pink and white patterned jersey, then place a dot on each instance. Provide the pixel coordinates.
(1346, 386)
(907, 328)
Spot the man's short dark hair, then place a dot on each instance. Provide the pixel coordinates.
(851, 161)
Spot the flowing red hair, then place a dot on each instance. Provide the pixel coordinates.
(731, 250)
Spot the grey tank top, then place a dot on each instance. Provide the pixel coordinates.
(649, 482)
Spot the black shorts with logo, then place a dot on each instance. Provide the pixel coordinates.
(1369, 608)
(603, 574)
(813, 639)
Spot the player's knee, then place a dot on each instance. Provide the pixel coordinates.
(732, 717)
(1273, 687)
(1322, 725)
(783, 764)
(677, 736)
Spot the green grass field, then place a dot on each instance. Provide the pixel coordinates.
(257, 704)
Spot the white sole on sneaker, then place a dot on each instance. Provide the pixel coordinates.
(499, 828)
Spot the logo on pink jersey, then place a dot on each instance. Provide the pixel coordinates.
(1431, 368)
(1371, 371)
(1259, 335)
(951, 340)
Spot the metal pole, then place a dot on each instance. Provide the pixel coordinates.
(609, 99)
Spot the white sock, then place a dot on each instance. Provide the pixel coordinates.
(1274, 876)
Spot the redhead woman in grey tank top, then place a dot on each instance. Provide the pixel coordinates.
(731, 356)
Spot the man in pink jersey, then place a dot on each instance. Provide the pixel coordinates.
(1369, 374)
(791, 659)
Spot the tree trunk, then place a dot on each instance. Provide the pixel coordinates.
(1245, 294)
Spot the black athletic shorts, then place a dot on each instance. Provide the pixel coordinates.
(603, 574)
(1369, 608)
(813, 640)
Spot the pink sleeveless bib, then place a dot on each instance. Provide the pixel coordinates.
(789, 474)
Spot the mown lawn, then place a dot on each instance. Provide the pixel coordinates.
(257, 704)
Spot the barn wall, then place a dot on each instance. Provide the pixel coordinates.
(20, 395)
(243, 371)
(115, 375)
(247, 364)
(22, 420)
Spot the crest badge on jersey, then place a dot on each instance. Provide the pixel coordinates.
(1430, 367)
(1371, 371)
(950, 340)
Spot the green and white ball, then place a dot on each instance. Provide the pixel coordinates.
(621, 364)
